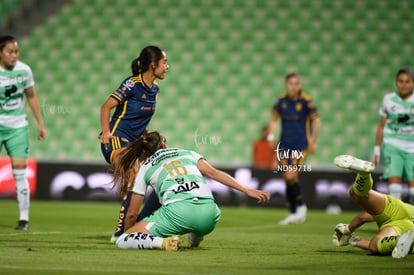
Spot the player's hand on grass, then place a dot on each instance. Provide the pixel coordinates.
(354, 240)
(261, 196)
(342, 235)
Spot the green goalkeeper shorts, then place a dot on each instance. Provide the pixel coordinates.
(16, 141)
(397, 214)
(198, 216)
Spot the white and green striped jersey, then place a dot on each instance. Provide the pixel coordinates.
(12, 86)
(399, 128)
(174, 176)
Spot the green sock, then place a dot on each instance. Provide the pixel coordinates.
(387, 244)
(362, 184)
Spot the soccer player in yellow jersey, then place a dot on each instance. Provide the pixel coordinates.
(393, 217)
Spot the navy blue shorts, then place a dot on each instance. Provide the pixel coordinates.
(115, 143)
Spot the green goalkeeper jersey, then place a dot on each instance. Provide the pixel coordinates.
(12, 86)
(174, 175)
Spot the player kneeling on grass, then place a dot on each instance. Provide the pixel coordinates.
(176, 175)
(393, 217)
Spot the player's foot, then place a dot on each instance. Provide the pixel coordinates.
(353, 163)
(114, 238)
(22, 225)
(171, 243)
(291, 218)
(404, 245)
(300, 214)
(193, 240)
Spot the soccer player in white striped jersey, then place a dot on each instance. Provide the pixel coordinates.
(176, 175)
(16, 82)
(396, 134)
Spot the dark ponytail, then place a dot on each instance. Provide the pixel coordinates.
(142, 62)
(128, 160)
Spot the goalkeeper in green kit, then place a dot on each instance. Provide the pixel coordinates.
(393, 217)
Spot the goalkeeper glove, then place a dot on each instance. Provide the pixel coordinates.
(342, 236)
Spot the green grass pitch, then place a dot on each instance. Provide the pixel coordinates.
(72, 238)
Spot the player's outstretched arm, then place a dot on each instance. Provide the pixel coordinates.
(224, 178)
(359, 220)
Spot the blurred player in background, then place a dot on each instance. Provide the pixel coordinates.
(134, 102)
(298, 137)
(264, 156)
(16, 81)
(393, 217)
(177, 177)
(396, 134)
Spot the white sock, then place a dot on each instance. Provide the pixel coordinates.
(395, 190)
(139, 240)
(411, 194)
(23, 193)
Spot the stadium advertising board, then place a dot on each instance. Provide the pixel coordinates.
(7, 183)
(80, 181)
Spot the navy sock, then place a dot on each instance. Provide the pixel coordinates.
(151, 204)
(290, 198)
(120, 228)
(297, 193)
(294, 196)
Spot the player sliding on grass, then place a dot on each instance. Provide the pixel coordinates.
(393, 217)
(176, 175)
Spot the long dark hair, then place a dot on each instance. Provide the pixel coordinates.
(128, 160)
(142, 62)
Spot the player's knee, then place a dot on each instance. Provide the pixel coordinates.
(18, 163)
(290, 178)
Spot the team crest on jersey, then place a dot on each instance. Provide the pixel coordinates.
(284, 106)
(144, 96)
(298, 107)
(129, 84)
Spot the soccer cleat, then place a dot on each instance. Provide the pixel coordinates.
(291, 218)
(300, 216)
(171, 243)
(404, 245)
(353, 163)
(22, 225)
